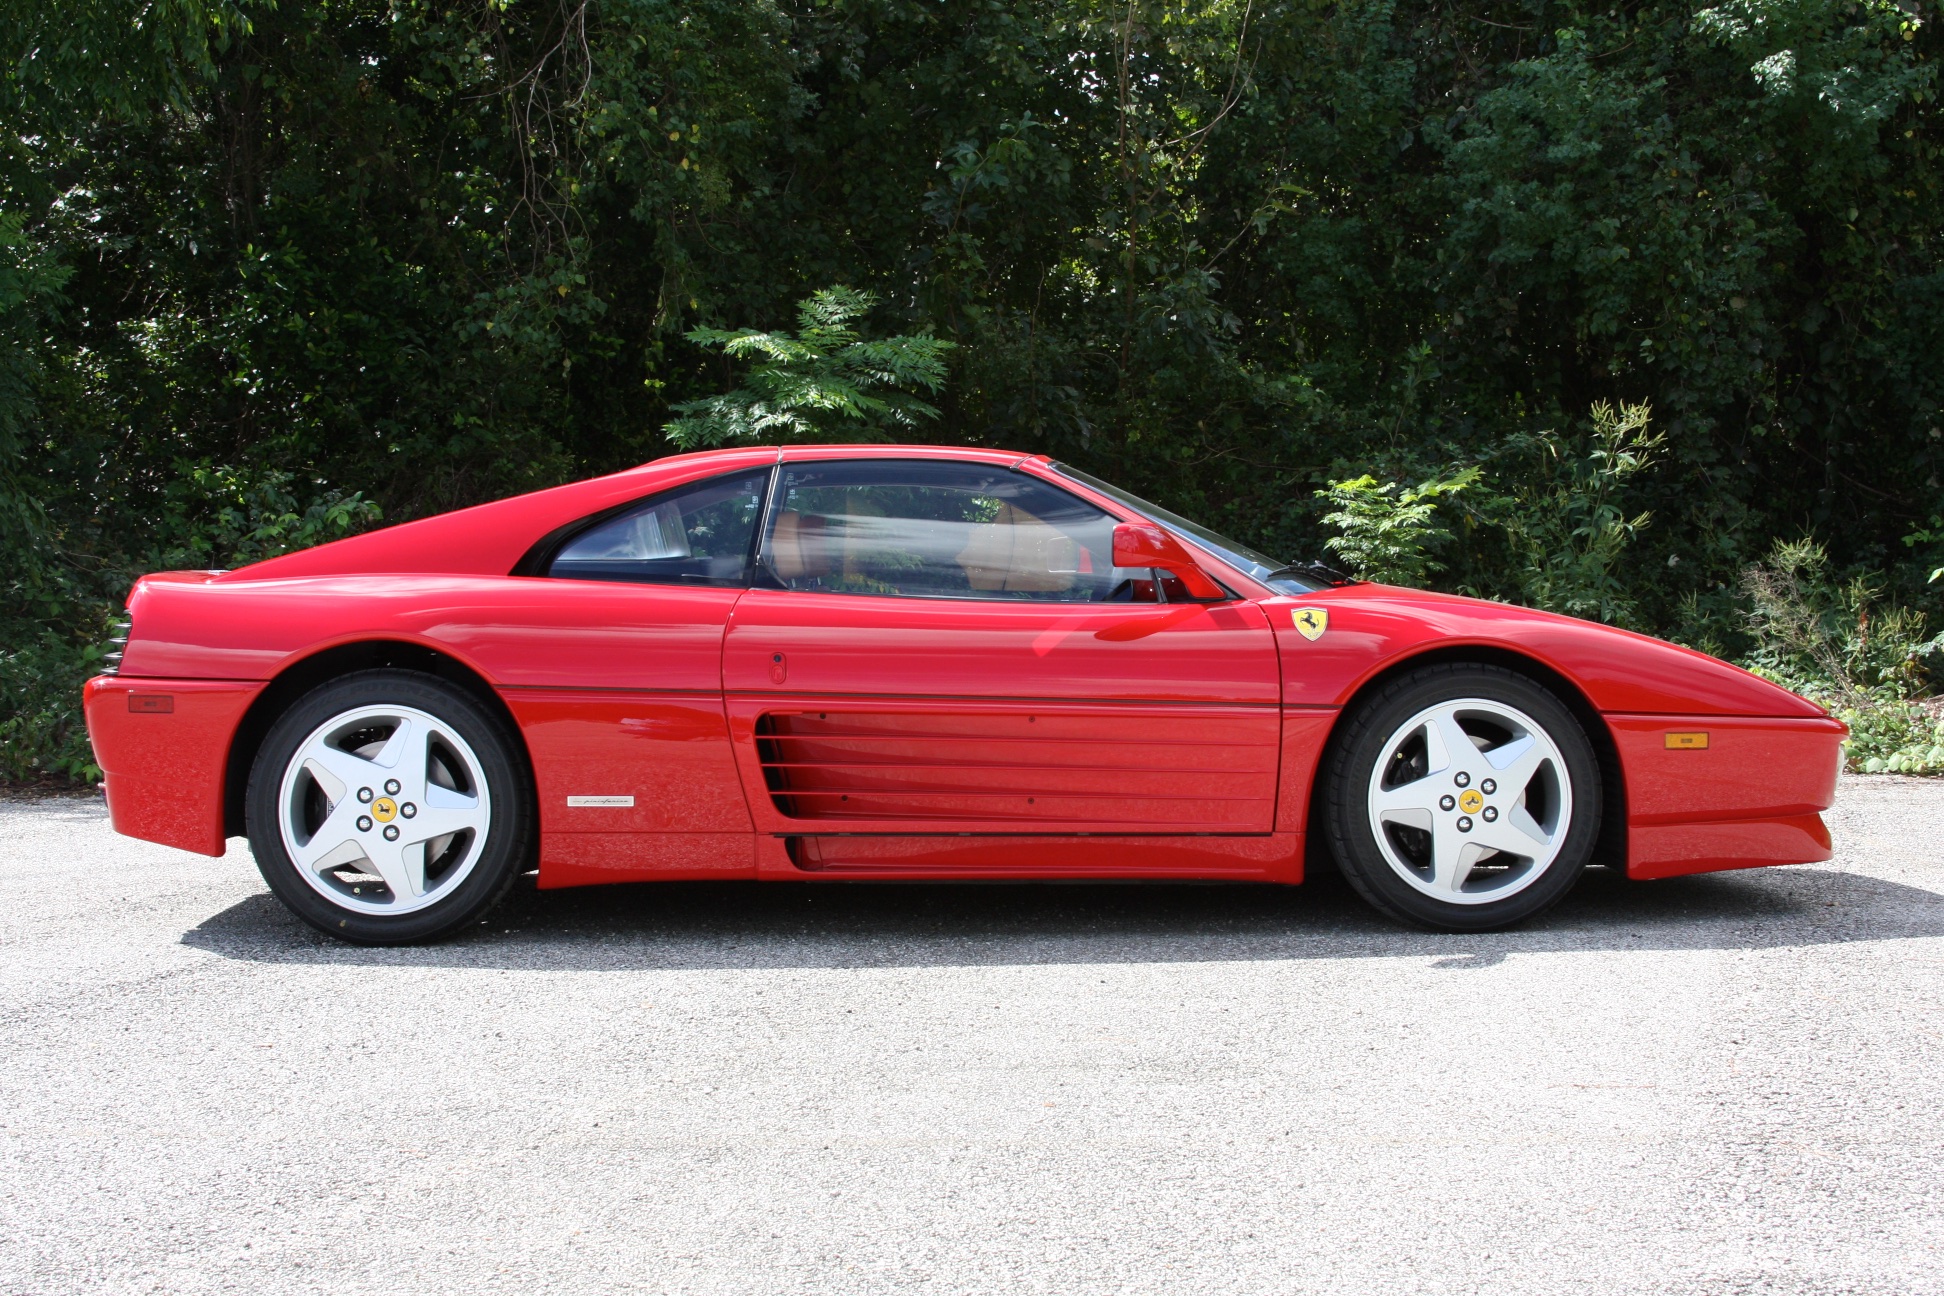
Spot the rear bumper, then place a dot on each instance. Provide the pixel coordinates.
(163, 747)
(1753, 795)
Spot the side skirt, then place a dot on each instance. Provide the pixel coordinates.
(1269, 857)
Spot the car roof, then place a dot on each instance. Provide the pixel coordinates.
(491, 538)
(1002, 458)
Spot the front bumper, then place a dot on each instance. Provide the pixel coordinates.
(1753, 795)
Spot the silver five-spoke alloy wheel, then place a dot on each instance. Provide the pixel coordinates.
(384, 809)
(1470, 801)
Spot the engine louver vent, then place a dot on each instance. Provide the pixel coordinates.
(1024, 770)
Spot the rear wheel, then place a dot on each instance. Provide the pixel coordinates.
(389, 807)
(1463, 797)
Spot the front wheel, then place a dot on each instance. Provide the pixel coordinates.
(389, 807)
(1463, 797)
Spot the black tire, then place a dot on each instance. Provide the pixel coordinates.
(1362, 741)
(501, 764)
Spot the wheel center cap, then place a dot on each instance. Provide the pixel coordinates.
(1471, 801)
(384, 809)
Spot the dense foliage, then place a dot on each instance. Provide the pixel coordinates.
(268, 273)
(825, 382)
(1840, 643)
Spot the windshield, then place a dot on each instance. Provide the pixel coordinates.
(1276, 575)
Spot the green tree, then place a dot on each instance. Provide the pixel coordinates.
(418, 255)
(827, 380)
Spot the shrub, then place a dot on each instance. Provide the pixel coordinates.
(1834, 638)
(1837, 642)
(57, 627)
(1387, 532)
(42, 736)
(1555, 503)
(1894, 736)
(1565, 517)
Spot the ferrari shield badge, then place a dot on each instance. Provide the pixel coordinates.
(1311, 622)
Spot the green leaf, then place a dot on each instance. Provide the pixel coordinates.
(827, 381)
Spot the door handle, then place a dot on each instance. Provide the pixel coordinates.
(779, 668)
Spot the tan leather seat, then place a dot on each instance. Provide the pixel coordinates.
(797, 550)
(1016, 553)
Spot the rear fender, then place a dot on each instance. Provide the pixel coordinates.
(163, 746)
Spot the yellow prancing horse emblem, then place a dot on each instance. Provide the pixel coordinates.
(1471, 801)
(1311, 622)
(384, 809)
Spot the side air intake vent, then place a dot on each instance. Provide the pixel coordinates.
(1043, 768)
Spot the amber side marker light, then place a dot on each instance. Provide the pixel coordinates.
(1686, 741)
(151, 703)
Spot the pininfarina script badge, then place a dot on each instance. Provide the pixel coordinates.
(1311, 622)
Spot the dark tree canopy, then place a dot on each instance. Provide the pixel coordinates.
(265, 268)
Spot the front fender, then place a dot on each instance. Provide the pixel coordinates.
(1374, 628)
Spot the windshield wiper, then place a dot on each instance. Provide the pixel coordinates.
(1314, 570)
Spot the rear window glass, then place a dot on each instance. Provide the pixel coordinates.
(698, 534)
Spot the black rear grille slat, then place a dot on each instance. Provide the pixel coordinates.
(117, 645)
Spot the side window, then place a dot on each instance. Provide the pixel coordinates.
(698, 534)
(932, 529)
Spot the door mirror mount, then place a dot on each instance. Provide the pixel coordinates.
(1143, 544)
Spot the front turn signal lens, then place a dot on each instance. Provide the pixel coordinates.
(1686, 741)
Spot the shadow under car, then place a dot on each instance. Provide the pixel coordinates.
(696, 925)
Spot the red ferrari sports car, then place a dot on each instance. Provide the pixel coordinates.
(908, 662)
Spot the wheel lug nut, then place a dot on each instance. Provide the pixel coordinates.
(1464, 824)
(365, 795)
(1463, 779)
(391, 832)
(1488, 787)
(364, 823)
(391, 787)
(1491, 814)
(408, 809)
(1447, 803)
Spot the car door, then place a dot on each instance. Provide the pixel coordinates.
(612, 667)
(943, 646)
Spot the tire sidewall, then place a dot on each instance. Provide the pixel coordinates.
(502, 764)
(1354, 758)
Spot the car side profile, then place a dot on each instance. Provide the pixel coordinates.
(909, 662)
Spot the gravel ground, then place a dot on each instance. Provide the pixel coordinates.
(1710, 1085)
